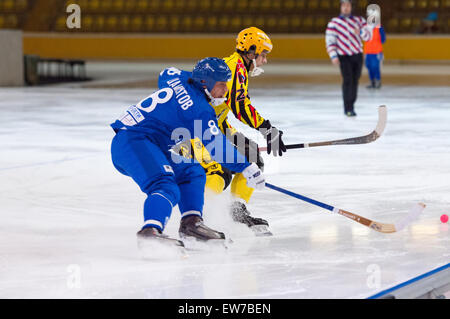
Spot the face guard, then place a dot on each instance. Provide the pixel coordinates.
(215, 101)
(257, 71)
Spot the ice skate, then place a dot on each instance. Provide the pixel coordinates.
(371, 85)
(377, 84)
(197, 236)
(240, 214)
(153, 244)
(350, 113)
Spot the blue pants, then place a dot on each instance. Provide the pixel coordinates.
(373, 62)
(166, 183)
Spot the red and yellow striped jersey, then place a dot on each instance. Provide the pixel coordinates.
(238, 101)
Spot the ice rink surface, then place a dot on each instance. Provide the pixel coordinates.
(69, 219)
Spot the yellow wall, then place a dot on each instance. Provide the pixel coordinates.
(107, 46)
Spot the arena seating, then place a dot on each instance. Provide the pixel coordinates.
(12, 13)
(211, 16)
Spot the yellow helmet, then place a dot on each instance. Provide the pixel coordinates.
(253, 37)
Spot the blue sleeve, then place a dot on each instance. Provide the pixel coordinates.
(220, 148)
(383, 35)
(170, 73)
(162, 79)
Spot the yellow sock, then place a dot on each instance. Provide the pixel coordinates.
(239, 187)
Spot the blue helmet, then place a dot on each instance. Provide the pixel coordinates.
(209, 71)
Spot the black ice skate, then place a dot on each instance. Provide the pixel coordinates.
(377, 84)
(240, 214)
(193, 226)
(152, 243)
(372, 85)
(350, 113)
(199, 237)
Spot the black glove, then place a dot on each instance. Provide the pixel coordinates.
(249, 149)
(274, 139)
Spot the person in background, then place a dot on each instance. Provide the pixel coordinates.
(429, 24)
(344, 36)
(373, 50)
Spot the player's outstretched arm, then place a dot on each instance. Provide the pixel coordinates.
(247, 114)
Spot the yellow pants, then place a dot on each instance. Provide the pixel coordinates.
(239, 188)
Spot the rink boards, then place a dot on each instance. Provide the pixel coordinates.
(434, 284)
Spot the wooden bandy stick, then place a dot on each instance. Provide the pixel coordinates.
(369, 138)
(380, 227)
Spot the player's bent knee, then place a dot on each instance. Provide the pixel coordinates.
(215, 183)
(166, 188)
(218, 181)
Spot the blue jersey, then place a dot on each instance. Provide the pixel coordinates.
(179, 112)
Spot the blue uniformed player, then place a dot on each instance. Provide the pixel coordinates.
(147, 131)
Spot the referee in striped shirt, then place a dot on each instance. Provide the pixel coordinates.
(344, 40)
